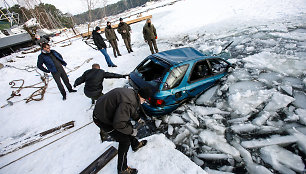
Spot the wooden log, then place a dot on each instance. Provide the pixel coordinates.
(101, 161)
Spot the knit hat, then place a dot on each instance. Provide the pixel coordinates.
(97, 28)
(120, 19)
(145, 92)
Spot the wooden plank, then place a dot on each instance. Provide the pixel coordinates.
(101, 161)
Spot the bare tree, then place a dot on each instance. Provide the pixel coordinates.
(90, 5)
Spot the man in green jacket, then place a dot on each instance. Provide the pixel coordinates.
(150, 36)
(124, 29)
(112, 38)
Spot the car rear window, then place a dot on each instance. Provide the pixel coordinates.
(151, 71)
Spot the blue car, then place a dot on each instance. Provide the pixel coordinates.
(178, 75)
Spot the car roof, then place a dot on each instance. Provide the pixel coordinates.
(179, 55)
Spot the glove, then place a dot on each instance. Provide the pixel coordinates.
(134, 133)
(141, 121)
(155, 37)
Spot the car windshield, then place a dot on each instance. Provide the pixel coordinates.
(175, 77)
(151, 71)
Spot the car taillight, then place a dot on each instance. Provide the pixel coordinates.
(160, 102)
(156, 102)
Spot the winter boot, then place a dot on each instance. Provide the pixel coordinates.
(129, 171)
(140, 145)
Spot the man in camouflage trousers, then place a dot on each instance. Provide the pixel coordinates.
(112, 38)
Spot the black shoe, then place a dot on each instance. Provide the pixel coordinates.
(119, 54)
(131, 50)
(64, 97)
(114, 65)
(140, 145)
(115, 56)
(129, 171)
(93, 101)
(72, 90)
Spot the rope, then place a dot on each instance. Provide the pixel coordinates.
(44, 146)
(41, 89)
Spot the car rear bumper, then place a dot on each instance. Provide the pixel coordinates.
(159, 111)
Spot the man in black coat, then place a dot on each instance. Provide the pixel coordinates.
(99, 42)
(54, 63)
(112, 114)
(93, 79)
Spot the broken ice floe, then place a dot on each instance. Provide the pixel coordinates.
(282, 160)
(274, 140)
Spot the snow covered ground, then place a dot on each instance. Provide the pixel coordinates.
(253, 121)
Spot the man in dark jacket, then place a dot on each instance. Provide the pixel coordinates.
(93, 79)
(112, 38)
(124, 29)
(112, 114)
(150, 36)
(54, 61)
(99, 42)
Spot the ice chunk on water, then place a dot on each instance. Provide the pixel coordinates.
(250, 165)
(192, 129)
(207, 97)
(263, 117)
(241, 74)
(180, 137)
(157, 123)
(245, 86)
(175, 119)
(269, 78)
(302, 114)
(211, 171)
(218, 142)
(300, 99)
(243, 128)
(197, 161)
(214, 125)
(214, 156)
(207, 110)
(290, 65)
(249, 49)
(246, 102)
(274, 140)
(292, 81)
(277, 156)
(287, 89)
(301, 140)
(278, 101)
(191, 116)
(170, 129)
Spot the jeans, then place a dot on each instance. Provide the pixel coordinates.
(107, 58)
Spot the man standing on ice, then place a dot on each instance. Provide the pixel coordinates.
(124, 29)
(54, 61)
(93, 79)
(99, 42)
(112, 114)
(112, 38)
(150, 36)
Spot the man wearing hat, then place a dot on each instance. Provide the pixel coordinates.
(99, 42)
(150, 36)
(112, 38)
(124, 29)
(112, 114)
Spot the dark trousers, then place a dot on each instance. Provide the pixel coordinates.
(124, 143)
(115, 47)
(152, 43)
(94, 98)
(127, 42)
(61, 74)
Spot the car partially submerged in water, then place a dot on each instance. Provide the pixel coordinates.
(177, 76)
